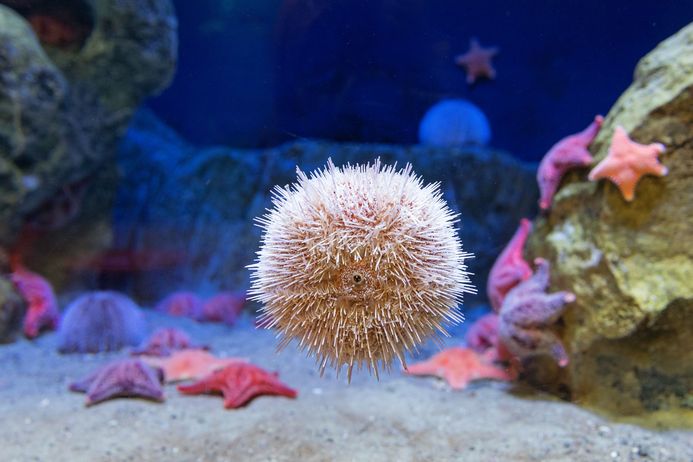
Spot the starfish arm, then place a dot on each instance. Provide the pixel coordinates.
(530, 342)
(538, 310)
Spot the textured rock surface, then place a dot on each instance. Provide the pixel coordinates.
(11, 311)
(175, 197)
(62, 113)
(630, 332)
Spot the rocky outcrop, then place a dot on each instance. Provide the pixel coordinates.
(630, 264)
(187, 213)
(63, 108)
(12, 310)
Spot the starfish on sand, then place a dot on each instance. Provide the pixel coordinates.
(124, 378)
(188, 364)
(569, 153)
(510, 268)
(239, 383)
(477, 61)
(627, 161)
(166, 340)
(459, 366)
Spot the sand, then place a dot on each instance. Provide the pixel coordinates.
(399, 418)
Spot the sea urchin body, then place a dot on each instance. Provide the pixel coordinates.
(359, 264)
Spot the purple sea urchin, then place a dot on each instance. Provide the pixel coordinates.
(100, 321)
(359, 264)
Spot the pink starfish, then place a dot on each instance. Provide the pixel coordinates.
(509, 268)
(483, 334)
(42, 312)
(627, 161)
(123, 378)
(224, 307)
(477, 61)
(239, 383)
(458, 366)
(571, 152)
(526, 313)
(183, 303)
(164, 341)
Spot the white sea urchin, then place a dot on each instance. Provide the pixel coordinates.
(359, 264)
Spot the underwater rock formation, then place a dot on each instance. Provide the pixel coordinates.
(12, 310)
(173, 192)
(630, 264)
(100, 321)
(454, 122)
(64, 108)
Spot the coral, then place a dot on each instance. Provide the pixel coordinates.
(239, 383)
(527, 312)
(570, 152)
(459, 366)
(225, 307)
(454, 122)
(42, 307)
(100, 321)
(186, 304)
(510, 267)
(627, 161)
(188, 364)
(477, 61)
(122, 378)
(164, 341)
(359, 264)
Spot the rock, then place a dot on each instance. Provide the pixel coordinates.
(631, 264)
(11, 311)
(176, 198)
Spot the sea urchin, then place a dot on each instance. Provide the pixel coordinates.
(359, 264)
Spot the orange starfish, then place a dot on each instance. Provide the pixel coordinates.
(477, 61)
(459, 366)
(627, 161)
(239, 383)
(189, 364)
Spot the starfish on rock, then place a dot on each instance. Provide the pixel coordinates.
(477, 61)
(124, 378)
(459, 366)
(188, 364)
(239, 383)
(526, 313)
(42, 312)
(627, 161)
(510, 268)
(570, 152)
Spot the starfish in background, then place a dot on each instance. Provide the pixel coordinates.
(189, 364)
(477, 61)
(239, 383)
(459, 366)
(124, 378)
(627, 161)
(510, 268)
(483, 333)
(570, 152)
(42, 306)
(526, 313)
(165, 341)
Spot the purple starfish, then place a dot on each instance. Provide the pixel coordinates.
(165, 341)
(526, 313)
(123, 378)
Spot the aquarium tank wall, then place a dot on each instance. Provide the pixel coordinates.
(346, 230)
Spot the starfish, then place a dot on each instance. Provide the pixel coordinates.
(224, 307)
(526, 313)
(165, 341)
(123, 378)
(186, 304)
(459, 366)
(239, 383)
(509, 268)
(483, 334)
(570, 152)
(189, 364)
(477, 61)
(627, 161)
(42, 312)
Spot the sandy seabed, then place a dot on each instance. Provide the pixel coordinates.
(397, 419)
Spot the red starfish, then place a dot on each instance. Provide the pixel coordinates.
(124, 378)
(239, 383)
(477, 61)
(627, 161)
(42, 312)
(568, 153)
(459, 366)
(509, 268)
